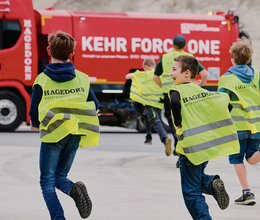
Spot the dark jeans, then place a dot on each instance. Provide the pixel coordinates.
(194, 182)
(168, 116)
(55, 162)
(148, 127)
(153, 116)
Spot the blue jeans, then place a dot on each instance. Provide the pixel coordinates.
(194, 182)
(55, 162)
(153, 116)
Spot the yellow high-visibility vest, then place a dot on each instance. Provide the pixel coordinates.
(207, 130)
(64, 110)
(144, 90)
(167, 61)
(246, 110)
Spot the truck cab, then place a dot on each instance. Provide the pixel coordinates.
(18, 61)
(109, 45)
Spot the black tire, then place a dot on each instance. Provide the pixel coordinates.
(12, 111)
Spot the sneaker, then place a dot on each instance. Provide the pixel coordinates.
(80, 196)
(168, 147)
(246, 199)
(148, 141)
(220, 193)
(178, 163)
(175, 153)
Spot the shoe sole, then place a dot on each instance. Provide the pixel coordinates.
(221, 194)
(249, 202)
(168, 147)
(85, 207)
(178, 164)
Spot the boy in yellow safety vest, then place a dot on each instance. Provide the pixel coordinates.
(202, 136)
(162, 78)
(146, 92)
(242, 84)
(63, 110)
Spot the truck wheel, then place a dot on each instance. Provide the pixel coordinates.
(11, 111)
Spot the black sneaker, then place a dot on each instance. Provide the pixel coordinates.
(80, 195)
(246, 199)
(174, 152)
(178, 163)
(220, 193)
(148, 141)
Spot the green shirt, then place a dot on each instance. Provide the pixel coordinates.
(159, 69)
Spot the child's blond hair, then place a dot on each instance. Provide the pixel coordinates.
(241, 51)
(149, 62)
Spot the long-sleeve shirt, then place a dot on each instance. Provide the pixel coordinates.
(59, 72)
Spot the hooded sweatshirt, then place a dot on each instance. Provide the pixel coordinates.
(246, 74)
(59, 72)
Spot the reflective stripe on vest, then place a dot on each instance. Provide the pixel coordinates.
(51, 113)
(246, 110)
(145, 91)
(63, 110)
(210, 144)
(207, 127)
(209, 134)
(167, 61)
(54, 125)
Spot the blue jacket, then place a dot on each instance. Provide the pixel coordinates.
(59, 72)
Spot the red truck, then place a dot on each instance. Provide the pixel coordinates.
(109, 45)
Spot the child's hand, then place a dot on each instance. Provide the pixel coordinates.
(33, 128)
(179, 133)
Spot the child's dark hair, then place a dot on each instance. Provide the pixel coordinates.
(61, 45)
(241, 51)
(188, 63)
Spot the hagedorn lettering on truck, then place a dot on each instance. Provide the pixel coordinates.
(109, 45)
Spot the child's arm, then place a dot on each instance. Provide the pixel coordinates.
(176, 112)
(176, 107)
(35, 100)
(92, 97)
(203, 76)
(129, 76)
